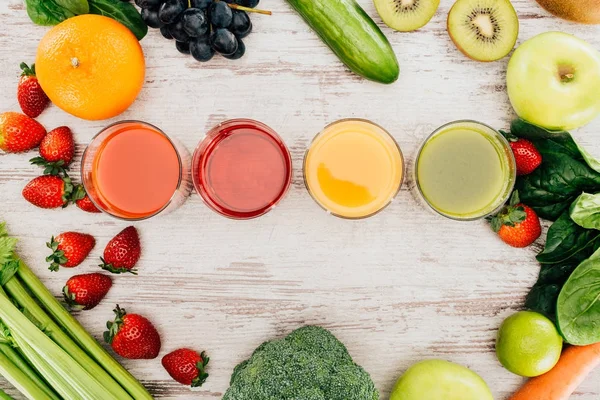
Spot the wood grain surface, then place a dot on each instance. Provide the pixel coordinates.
(396, 288)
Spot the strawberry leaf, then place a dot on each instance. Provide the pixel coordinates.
(70, 299)
(57, 258)
(56, 168)
(116, 270)
(202, 375)
(114, 326)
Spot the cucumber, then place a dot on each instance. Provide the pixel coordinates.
(352, 35)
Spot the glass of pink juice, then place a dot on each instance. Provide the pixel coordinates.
(132, 170)
(242, 169)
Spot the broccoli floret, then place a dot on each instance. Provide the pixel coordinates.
(308, 364)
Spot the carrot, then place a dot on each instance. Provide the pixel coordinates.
(575, 363)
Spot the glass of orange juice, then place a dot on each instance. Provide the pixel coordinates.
(132, 170)
(353, 168)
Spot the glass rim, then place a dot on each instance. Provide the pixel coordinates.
(213, 134)
(395, 193)
(179, 161)
(511, 160)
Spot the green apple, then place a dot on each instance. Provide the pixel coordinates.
(440, 380)
(553, 81)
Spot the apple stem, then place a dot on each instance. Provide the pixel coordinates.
(568, 77)
(248, 9)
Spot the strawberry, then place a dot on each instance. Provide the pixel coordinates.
(84, 292)
(69, 249)
(527, 157)
(517, 224)
(132, 336)
(122, 252)
(30, 94)
(49, 191)
(186, 366)
(58, 145)
(86, 205)
(19, 133)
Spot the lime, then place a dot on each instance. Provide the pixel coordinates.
(440, 380)
(528, 344)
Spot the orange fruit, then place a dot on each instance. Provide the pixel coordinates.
(91, 66)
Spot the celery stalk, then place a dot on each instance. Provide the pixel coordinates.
(51, 329)
(80, 335)
(62, 366)
(20, 380)
(18, 362)
(4, 396)
(57, 381)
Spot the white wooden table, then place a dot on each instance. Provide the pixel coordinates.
(399, 287)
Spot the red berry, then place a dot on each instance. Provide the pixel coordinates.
(30, 94)
(84, 292)
(517, 224)
(527, 157)
(132, 336)
(86, 205)
(69, 249)
(186, 366)
(49, 191)
(58, 145)
(122, 252)
(19, 133)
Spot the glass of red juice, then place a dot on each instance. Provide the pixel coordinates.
(242, 169)
(133, 171)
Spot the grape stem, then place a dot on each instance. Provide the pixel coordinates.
(248, 9)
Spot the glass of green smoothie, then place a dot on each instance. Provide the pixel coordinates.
(465, 170)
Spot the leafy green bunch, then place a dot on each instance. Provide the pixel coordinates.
(44, 352)
(565, 189)
(52, 12)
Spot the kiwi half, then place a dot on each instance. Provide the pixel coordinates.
(484, 30)
(584, 11)
(406, 15)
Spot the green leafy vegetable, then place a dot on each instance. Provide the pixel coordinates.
(585, 211)
(53, 351)
(310, 363)
(52, 12)
(544, 294)
(566, 171)
(7, 245)
(568, 242)
(21, 381)
(123, 12)
(578, 306)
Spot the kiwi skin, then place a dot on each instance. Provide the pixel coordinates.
(583, 11)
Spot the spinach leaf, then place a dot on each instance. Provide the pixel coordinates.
(77, 7)
(578, 306)
(566, 171)
(568, 242)
(52, 12)
(124, 12)
(585, 211)
(544, 294)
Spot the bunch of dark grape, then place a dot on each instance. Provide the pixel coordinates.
(201, 27)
